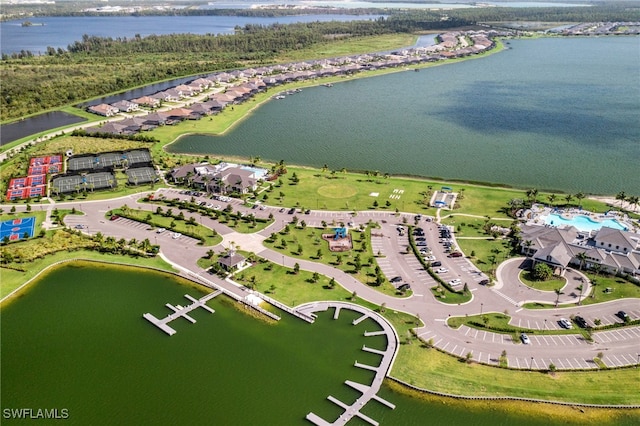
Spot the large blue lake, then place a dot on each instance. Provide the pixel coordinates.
(552, 113)
(62, 31)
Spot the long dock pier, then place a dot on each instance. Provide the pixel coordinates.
(368, 391)
(180, 311)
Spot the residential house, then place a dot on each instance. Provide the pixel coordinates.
(104, 110)
(147, 101)
(126, 106)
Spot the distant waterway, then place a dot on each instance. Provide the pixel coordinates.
(351, 4)
(539, 114)
(77, 341)
(36, 124)
(63, 31)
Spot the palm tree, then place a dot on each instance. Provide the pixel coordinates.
(581, 288)
(552, 198)
(558, 293)
(633, 200)
(582, 257)
(580, 196)
(594, 284)
(596, 268)
(621, 196)
(568, 197)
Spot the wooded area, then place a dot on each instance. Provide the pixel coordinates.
(95, 66)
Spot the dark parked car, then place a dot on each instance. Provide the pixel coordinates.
(404, 287)
(580, 321)
(395, 279)
(623, 316)
(455, 254)
(484, 282)
(436, 263)
(292, 210)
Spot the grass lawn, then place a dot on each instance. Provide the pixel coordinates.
(471, 226)
(431, 369)
(161, 221)
(445, 296)
(315, 249)
(620, 289)
(12, 279)
(484, 250)
(289, 288)
(548, 285)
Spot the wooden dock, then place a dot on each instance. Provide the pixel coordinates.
(181, 312)
(368, 392)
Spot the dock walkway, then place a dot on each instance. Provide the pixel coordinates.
(180, 311)
(368, 392)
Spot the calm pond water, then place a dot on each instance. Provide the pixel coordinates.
(63, 31)
(77, 340)
(36, 124)
(539, 114)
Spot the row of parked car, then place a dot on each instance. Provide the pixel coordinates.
(580, 322)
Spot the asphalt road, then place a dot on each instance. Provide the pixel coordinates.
(619, 346)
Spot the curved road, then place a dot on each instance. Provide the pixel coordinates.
(619, 346)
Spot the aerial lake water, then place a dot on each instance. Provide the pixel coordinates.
(539, 114)
(76, 340)
(63, 31)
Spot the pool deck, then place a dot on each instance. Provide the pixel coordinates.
(540, 216)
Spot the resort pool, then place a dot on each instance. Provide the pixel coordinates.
(583, 223)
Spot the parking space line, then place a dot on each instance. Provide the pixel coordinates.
(617, 360)
(626, 360)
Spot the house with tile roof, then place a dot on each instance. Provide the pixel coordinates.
(104, 110)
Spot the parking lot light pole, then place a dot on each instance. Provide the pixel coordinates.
(481, 304)
(531, 364)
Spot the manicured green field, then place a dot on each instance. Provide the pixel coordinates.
(431, 369)
(548, 285)
(316, 249)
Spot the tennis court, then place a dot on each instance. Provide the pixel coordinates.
(109, 159)
(15, 229)
(81, 163)
(64, 184)
(137, 157)
(139, 175)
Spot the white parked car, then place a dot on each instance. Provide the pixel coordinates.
(442, 270)
(456, 281)
(430, 258)
(176, 235)
(565, 323)
(525, 339)
(160, 230)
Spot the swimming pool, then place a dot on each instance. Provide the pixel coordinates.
(582, 223)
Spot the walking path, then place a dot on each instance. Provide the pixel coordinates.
(486, 347)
